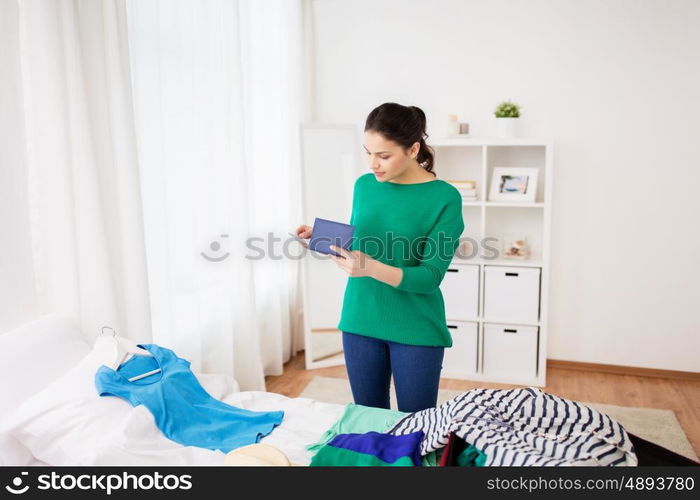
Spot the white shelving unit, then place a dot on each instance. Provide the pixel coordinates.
(497, 308)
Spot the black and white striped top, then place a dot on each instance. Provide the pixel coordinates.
(523, 427)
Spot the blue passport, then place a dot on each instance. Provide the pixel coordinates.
(327, 232)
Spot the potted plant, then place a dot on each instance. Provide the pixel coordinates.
(507, 115)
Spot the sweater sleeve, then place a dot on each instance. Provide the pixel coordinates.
(353, 242)
(437, 252)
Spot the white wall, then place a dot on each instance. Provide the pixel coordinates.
(615, 84)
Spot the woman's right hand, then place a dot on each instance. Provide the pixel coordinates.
(304, 231)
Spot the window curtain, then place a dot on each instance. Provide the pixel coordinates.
(74, 156)
(218, 99)
(160, 145)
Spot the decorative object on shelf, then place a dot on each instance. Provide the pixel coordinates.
(507, 117)
(466, 188)
(513, 184)
(466, 249)
(452, 125)
(516, 247)
(464, 129)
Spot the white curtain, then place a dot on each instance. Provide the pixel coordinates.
(218, 100)
(159, 138)
(76, 148)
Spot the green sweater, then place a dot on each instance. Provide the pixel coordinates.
(415, 227)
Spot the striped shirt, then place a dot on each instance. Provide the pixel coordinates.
(523, 427)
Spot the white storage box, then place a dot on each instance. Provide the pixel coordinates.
(510, 351)
(460, 291)
(460, 359)
(512, 293)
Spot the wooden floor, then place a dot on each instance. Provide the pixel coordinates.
(681, 396)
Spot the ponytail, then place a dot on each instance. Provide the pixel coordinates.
(404, 125)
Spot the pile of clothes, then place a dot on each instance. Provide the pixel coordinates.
(481, 427)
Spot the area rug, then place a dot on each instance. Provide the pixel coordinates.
(655, 425)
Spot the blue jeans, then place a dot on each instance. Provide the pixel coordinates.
(370, 363)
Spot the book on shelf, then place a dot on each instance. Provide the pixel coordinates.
(467, 192)
(462, 184)
(466, 188)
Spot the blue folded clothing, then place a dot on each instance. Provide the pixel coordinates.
(371, 449)
(327, 232)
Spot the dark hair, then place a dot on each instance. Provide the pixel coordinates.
(404, 125)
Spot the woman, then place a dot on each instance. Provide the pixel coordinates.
(407, 229)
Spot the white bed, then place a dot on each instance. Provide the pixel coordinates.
(51, 414)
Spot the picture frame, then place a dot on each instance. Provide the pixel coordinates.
(513, 184)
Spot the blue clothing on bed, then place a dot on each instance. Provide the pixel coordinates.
(371, 449)
(383, 446)
(183, 410)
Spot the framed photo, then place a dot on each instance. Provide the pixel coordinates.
(513, 184)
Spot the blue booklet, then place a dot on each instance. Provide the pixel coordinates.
(327, 232)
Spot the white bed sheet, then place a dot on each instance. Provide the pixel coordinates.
(139, 442)
(133, 438)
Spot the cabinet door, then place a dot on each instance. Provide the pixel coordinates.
(510, 351)
(460, 291)
(512, 293)
(460, 359)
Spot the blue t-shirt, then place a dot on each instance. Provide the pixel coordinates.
(182, 409)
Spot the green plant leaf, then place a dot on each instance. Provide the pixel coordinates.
(507, 109)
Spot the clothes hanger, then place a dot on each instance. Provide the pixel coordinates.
(124, 347)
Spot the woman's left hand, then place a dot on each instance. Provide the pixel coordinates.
(355, 263)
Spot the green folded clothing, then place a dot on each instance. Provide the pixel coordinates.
(360, 419)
